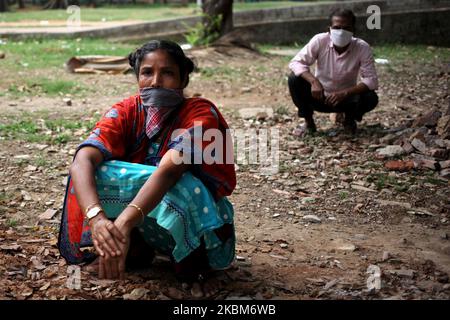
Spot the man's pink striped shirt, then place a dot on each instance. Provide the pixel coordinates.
(337, 71)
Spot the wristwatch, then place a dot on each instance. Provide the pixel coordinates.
(93, 212)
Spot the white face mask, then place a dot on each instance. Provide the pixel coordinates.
(340, 37)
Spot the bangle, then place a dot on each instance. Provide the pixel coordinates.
(139, 209)
(90, 207)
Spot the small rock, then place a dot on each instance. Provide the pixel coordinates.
(419, 145)
(403, 273)
(276, 215)
(428, 120)
(312, 218)
(445, 173)
(420, 212)
(283, 245)
(390, 151)
(443, 127)
(361, 188)
(30, 168)
(394, 203)
(439, 153)
(386, 256)
(276, 256)
(67, 101)
(41, 147)
(388, 139)
(347, 247)
(240, 258)
(48, 214)
(426, 164)
(444, 236)
(26, 195)
(249, 113)
(360, 236)
(444, 164)
(407, 147)
(22, 157)
(2, 55)
(399, 165)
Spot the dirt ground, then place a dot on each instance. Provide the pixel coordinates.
(367, 215)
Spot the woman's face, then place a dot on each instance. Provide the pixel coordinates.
(158, 70)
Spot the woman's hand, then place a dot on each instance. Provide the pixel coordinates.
(106, 237)
(114, 267)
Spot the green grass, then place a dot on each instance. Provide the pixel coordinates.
(29, 129)
(43, 54)
(382, 180)
(41, 161)
(222, 72)
(11, 223)
(416, 53)
(142, 12)
(393, 52)
(343, 195)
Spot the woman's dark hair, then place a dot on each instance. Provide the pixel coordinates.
(344, 13)
(184, 63)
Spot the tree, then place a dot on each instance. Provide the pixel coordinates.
(3, 5)
(214, 10)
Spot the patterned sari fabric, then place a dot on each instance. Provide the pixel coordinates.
(188, 214)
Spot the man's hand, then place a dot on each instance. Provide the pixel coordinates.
(317, 90)
(336, 98)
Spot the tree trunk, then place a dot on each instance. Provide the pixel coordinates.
(212, 9)
(21, 4)
(3, 5)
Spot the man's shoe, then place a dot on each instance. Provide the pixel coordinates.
(308, 127)
(350, 126)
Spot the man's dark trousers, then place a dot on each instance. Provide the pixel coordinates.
(354, 107)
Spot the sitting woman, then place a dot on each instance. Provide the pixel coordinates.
(141, 182)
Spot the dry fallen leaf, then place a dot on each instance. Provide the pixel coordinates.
(136, 294)
(11, 247)
(45, 286)
(48, 214)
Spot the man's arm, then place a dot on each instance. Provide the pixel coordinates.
(316, 86)
(369, 79)
(300, 64)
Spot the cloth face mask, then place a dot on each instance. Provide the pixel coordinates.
(159, 103)
(340, 37)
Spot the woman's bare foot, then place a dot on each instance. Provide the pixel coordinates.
(92, 267)
(205, 288)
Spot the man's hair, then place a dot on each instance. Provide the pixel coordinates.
(344, 13)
